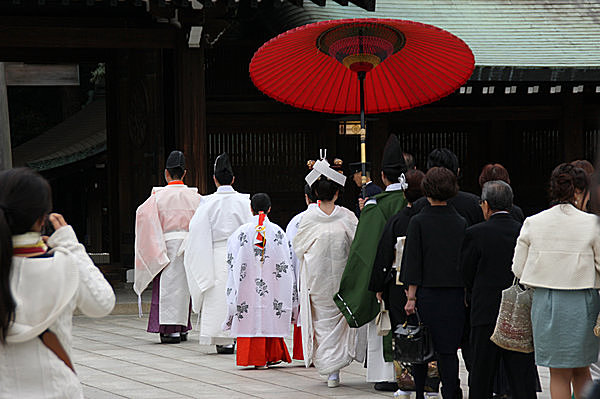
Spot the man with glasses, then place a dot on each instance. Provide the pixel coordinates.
(485, 262)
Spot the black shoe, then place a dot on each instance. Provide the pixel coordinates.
(269, 364)
(183, 336)
(386, 386)
(167, 339)
(225, 349)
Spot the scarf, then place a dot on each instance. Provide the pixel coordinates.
(29, 244)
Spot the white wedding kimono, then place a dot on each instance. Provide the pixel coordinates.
(161, 227)
(290, 231)
(216, 218)
(322, 245)
(261, 290)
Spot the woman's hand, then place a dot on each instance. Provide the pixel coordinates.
(410, 306)
(379, 296)
(57, 220)
(361, 203)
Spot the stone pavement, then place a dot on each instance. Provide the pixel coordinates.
(115, 358)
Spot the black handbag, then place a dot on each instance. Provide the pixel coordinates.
(413, 343)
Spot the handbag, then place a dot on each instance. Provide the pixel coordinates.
(382, 321)
(513, 329)
(413, 343)
(406, 382)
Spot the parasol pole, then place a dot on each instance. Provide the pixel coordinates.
(363, 133)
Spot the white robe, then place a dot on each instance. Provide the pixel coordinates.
(205, 260)
(322, 245)
(261, 292)
(160, 228)
(290, 231)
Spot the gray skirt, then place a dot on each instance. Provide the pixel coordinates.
(563, 327)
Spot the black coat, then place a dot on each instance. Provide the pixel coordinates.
(517, 213)
(485, 264)
(383, 276)
(432, 248)
(466, 204)
(396, 227)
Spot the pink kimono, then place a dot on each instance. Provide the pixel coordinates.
(161, 229)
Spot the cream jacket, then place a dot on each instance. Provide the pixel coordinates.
(559, 248)
(47, 291)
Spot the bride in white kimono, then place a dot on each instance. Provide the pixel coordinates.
(261, 290)
(322, 245)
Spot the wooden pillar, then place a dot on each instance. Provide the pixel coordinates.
(135, 140)
(190, 113)
(572, 127)
(5, 147)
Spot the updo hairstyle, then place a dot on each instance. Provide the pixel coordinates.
(565, 178)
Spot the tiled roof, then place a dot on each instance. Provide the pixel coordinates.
(516, 33)
(76, 138)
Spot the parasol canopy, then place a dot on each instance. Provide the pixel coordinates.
(404, 64)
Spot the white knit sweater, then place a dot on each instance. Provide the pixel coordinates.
(559, 248)
(47, 291)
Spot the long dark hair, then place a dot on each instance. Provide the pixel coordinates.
(25, 197)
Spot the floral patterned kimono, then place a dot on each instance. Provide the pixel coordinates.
(261, 292)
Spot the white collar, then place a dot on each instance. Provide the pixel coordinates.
(29, 238)
(225, 189)
(394, 187)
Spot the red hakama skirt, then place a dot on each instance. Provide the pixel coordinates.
(297, 348)
(258, 351)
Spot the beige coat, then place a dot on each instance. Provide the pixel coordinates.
(559, 248)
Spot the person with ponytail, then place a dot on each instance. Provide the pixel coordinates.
(262, 299)
(322, 244)
(558, 253)
(42, 281)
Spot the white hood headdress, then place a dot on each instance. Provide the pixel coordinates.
(322, 168)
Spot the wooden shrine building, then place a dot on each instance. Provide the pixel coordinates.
(175, 75)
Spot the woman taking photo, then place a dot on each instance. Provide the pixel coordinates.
(558, 253)
(430, 270)
(39, 290)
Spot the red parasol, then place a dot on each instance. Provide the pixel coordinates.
(399, 65)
